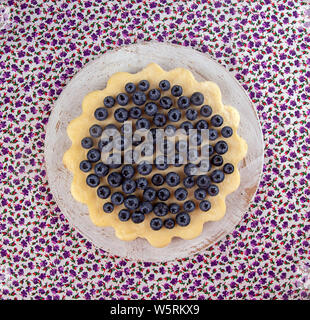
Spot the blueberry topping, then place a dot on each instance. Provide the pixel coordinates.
(129, 186)
(158, 179)
(217, 176)
(101, 169)
(180, 194)
(124, 215)
(135, 113)
(228, 168)
(227, 132)
(172, 179)
(128, 171)
(146, 207)
(164, 85)
(174, 115)
(170, 129)
(176, 90)
(174, 208)
(117, 198)
(144, 168)
(121, 114)
(213, 135)
(87, 142)
(101, 114)
(161, 163)
(197, 98)
(161, 209)
(217, 160)
(143, 124)
(205, 111)
(221, 147)
(93, 155)
(169, 223)
(201, 125)
(191, 114)
(165, 102)
(189, 182)
(131, 202)
(200, 194)
(189, 206)
(159, 119)
(109, 102)
(156, 224)
(150, 108)
(203, 181)
(186, 126)
(95, 131)
(190, 169)
(183, 102)
(139, 98)
(92, 180)
(103, 192)
(143, 85)
(213, 190)
(163, 194)
(183, 219)
(154, 94)
(108, 207)
(114, 179)
(85, 166)
(141, 183)
(217, 120)
(137, 217)
(205, 205)
(130, 87)
(149, 194)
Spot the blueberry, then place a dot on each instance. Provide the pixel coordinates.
(154, 94)
(95, 131)
(121, 114)
(221, 147)
(110, 129)
(114, 160)
(143, 85)
(192, 155)
(156, 224)
(143, 124)
(174, 208)
(146, 207)
(180, 194)
(109, 102)
(165, 102)
(124, 215)
(131, 202)
(163, 194)
(117, 198)
(190, 169)
(92, 180)
(114, 179)
(87, 142)
(197, 98)
(178, 160)
(189, 206)
(137, 217)
(129, 186)
(170, 129)
(161, 209)
(130, 87)
(191, 114)
(213, 190)
(141, 183)
(205, 111)
(172, 179)
(150, 108)
(85, 166)
(189, 182)
(128, 171)
(93, 155)
(103, 192)
(205, 165)
(228, 168)
(181, 146)
(217, 120)
(161, 163)
(158, 179)
(217, 176)
(103, 145)
(174, 115)
(183, 219)
(195, 139)
(159, 119)
(205, 205)
(164, 85)
(227, 132)
(186, 126)
(203, 181)
(169, 223)
(101, 169)
(200, 194)
(144, 168)
(183, 102)
(149, 194)
(108, 207)
(101, 114)
(135, 112)
(201, 125)
(213, 135)
(139, 98)
(217, 160)
(176, 90)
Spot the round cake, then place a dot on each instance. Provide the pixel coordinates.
(154, 154)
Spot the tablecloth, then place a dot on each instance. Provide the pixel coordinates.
(264, 43)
